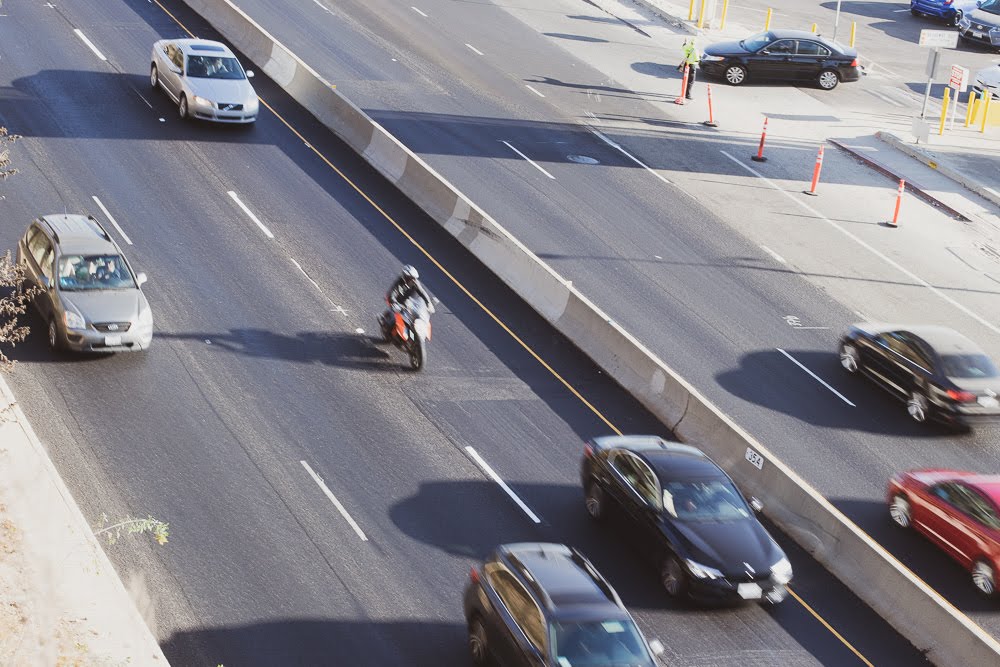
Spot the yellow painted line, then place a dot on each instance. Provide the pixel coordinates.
(496, 319)
(830, 628)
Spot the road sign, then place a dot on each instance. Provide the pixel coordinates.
(933, 58)
(959, 78)
(946, 39)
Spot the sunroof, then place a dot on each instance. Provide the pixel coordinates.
(207, 47)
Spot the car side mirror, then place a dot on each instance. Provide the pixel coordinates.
(249, 73)
(656, 646)
(141, 278)
(756, 505)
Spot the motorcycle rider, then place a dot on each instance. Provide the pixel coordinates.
(406, 285)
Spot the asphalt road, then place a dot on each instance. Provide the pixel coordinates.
(465, 84)
(263, 379)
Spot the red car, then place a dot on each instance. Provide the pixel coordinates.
(958, 511)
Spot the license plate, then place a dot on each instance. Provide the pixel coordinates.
(750, 591)
(112, 341)
(977, 34)
(989, 402)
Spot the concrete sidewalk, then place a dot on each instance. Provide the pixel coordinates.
(61, 601)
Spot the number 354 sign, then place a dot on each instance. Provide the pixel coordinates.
(756, 459)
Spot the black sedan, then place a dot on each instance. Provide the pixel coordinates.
(939, 373)
(791, 55)
(687, 516)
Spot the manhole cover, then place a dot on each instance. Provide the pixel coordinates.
(582, 159)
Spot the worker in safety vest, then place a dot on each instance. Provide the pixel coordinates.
(691, 59)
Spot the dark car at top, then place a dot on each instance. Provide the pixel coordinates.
(981, 24)
(789, 55)
(541, 605)
(938, 373)
(683, 512)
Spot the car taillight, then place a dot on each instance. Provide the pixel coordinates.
(588, 451)
(854, 63)
(948, 2)
(961, 396)
(474, 575)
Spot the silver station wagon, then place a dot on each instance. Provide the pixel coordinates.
(205, 79)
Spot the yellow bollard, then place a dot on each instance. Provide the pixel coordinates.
(701, 15)
(813, 30)
(691, 11)
(944, 110)
(986, 109)
(767, 22)
(854, 30)
(725, 10)
(970, 108)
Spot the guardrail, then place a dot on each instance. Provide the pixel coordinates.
(934, 626)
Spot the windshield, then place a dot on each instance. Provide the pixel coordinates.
(614, 643)
(93, 272)
(756, 42)
(968, 365)
(991, 6)
(214, 67)
(704, 500)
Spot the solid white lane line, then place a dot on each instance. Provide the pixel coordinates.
(533, 90)
(303, 272)
(899, 267)
(530, 161)
(111, 218)
(624, 152)
(419, 12)
(322, 6)
(474, 49)
(496, 478)
(235, 197)
(336, 503)
(816, 377)
(773, 254)
(79, 33)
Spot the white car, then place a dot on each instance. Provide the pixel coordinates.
(205, 79)
(988, 79)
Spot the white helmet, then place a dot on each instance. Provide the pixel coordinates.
(410, 272)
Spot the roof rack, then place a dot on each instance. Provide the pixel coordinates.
(107, 236)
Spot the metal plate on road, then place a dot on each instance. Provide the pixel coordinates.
(947, 39)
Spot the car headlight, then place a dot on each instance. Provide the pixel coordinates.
(74, 320)
(145, 317)
(781, 571)
(702, 571)
(202, 101)
(712, 59)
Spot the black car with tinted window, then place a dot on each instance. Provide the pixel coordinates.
(539, 604)
(938, 373)
(684, 514)
(786, 55)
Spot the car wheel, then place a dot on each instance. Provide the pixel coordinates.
(154, 77)
(899, 511)
(477, 642)
(735, 75)
(828, 79)
(673, 577)
(916, 406)
(182, 107)
(983, 578)
(54, 341)
(956, 18)
(850, 358)
(915, 12)
(594, 500)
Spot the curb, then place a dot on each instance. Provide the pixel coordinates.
(931, 161)
(913, 187)
(660, 10)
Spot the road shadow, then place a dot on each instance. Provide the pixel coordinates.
(576, 38)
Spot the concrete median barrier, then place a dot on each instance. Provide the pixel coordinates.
(946, 635)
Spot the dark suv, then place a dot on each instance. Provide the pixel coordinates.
(539, 604)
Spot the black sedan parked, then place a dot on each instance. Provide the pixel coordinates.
(687, 516)
(939, 373)
(791, 55)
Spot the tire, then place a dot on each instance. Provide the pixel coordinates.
(900, 511)
(735, 75)
(478, 646)
(956, 18)
(154, 77)
(594, 501)
(915, 12)
(984, 578)
(917, 407)
(850, 358)
(673, 578)
(55, 341)
(182, 107)
(827, 79)
(418, 353)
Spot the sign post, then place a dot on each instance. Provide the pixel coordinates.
(836, 22)
(936, 39)
(958, 82)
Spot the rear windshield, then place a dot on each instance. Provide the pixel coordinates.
(968, 366)
(613, 643)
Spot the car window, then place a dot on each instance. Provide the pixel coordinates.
(38, 246)
(176, 56)
(810, 48)
(94, 272)
(598, 644)
(756, 42)
(900, 343)
(991, 6)
(944, 491)
(976, 505)
(968, 366)
(782, 47)
(30, 235)
(704, 500)
(522, 608)
(47, 263)
(214, 67)
(638, 475)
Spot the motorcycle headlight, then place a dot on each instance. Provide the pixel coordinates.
(712, 59)
(781, 571)
(74, 320)
(702, 571)
(201, 101)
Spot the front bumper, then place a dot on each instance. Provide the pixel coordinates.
(214, 114)
(89, 340)
(980, 33)
(725, 591)
(712, 67)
